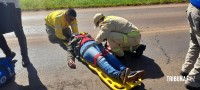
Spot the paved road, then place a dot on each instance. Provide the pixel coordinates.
(164, 30)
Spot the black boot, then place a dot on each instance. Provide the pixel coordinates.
(192, 88)
(11, 55)
(25, 58)
(122, 58)
(25, 61)
(140, 50)
(183, 74)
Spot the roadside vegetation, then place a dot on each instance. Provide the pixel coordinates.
(59, 4)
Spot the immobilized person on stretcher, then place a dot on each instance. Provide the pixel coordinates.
(84, 46)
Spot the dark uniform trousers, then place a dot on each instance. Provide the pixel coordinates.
(10, 20)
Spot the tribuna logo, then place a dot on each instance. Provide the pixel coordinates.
(179, 78)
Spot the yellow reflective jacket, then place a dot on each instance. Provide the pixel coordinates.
(57, 20)
(116, 24)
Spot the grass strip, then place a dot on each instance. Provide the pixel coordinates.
(60, 4)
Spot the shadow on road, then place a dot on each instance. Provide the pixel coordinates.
(34, 81)
(152, 69)
(140, 87)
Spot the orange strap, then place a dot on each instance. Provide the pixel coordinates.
(95, 58)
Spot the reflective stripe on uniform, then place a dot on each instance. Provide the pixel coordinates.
(133, 33)
(131, 49)
(116, 50)
(109, 17)
(125, 38)
(58, 27)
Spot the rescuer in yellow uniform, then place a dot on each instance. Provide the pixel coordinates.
(57, 26)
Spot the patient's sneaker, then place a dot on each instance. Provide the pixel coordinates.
(135, 75)
(124, 75)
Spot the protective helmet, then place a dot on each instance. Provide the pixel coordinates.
(96, 18)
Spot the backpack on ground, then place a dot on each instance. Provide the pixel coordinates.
(6, 70)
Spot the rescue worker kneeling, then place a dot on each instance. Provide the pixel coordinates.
(84, 46)
(58, 25)
(120, 33)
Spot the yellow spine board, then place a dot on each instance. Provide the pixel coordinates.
(111, 82)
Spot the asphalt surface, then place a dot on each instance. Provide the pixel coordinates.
(164, 29)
